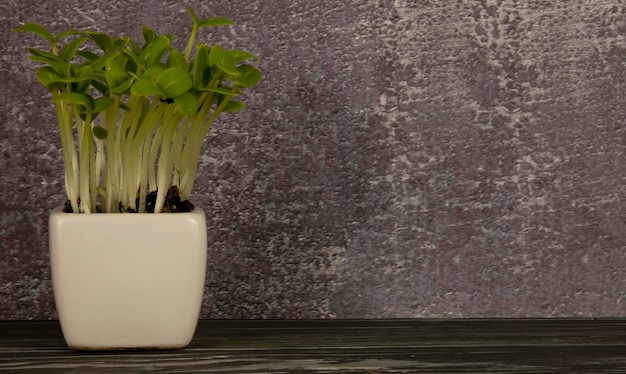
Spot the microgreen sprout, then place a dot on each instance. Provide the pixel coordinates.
(132, 116)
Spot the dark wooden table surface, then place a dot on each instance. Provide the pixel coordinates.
(329, 346)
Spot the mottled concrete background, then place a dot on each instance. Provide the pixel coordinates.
(401, 158)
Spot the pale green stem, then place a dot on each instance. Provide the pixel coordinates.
(139, 143)
(69, 154)
(129, 162)
(143, 183)
(154, 150)
(111, 184)
(188, 177)
(164, 171)
(84, 149)
(159, 129)
(142, 144)
(128, 184)
(196, 125)
(206, 103)
(192, 38)
(100, 169)
(177, 147)
(93, 173)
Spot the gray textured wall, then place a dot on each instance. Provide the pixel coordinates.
(401, 158)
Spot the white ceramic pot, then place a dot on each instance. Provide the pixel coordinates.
(128, 281)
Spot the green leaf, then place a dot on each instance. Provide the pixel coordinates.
(145, 87)
(47, 75)
(62, 67)
(100, 132)
(69, 32)
(133, 63)
(84, 72)
(201, 67)
(175, 59)
(222, 90)
(135, 47)
(67, 79)
(218, 57)
(74, 98)
(69, 50)
(100, 63)
(87, 55)
(249, 76)
(187, 104)
(37, 29)
(122, 87)
(153, 72)
(102, 104)
(49, 78)
(103, 88)
(120, 42)
(154, 51)
(80, 86)
(217, 54)
(40, 59)
(239, 55)
(43, 56)
(102, 40)
(148, 34)
(174, 82)
(193, 16)
(82, 79)
(215, 21)
(234, 106)
(115, 71)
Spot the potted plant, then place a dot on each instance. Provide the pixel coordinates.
(132, 117)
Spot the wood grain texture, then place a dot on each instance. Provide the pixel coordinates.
(328, 346)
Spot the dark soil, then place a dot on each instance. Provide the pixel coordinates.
(173, 203)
